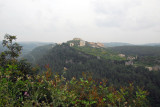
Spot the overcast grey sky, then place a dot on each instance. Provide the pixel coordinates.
(131, 21)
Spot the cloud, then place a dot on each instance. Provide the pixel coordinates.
(92, 20)
(112, 13)
(114, 6)
(127, 14)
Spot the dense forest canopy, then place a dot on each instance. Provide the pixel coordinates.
(138, 50)
(147, 55)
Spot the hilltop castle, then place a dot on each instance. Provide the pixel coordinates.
(80, 42)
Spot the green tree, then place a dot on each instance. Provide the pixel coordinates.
(12, 51)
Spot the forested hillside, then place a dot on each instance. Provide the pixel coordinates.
(75, 61)
(146, 55)
(91, 66)
(101, 53)
(22, 85)
(138, 50)
(29, 46)
(37, 53)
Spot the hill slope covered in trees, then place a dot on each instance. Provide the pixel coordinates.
(73, 61)
(21, 86)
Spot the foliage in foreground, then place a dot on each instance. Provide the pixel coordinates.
(41, 90)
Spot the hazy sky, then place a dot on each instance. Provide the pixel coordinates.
(131, 21)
